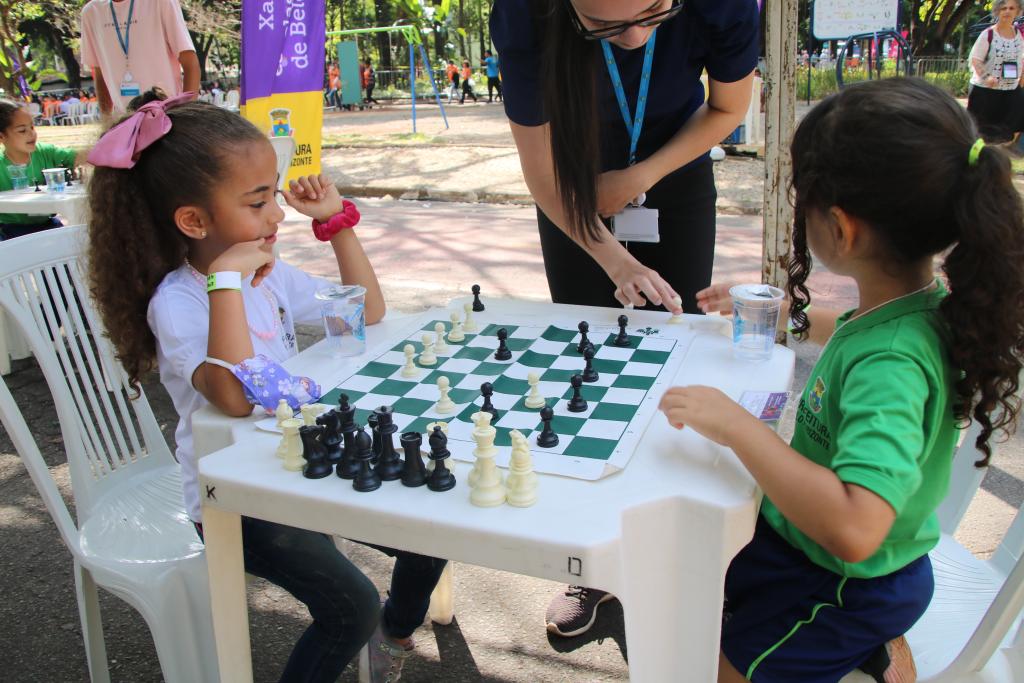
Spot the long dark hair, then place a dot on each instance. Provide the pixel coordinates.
(133, 240)
(895, 154)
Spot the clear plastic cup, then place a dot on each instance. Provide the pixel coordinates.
(344, 318)
(755, 318)
(55, 180)
(18, 173)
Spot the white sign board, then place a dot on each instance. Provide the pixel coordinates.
(837, 19)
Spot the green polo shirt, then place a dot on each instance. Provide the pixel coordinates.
(878, 411)
(44, 156)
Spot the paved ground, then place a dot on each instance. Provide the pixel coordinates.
(425, 253)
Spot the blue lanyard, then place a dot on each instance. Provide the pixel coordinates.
(123, 40)
(633, 126)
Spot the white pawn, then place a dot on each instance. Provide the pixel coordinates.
(444, 404)
(439, 345)
(488, 491)
(428, 357)
(678, 301)
(522, 481)
(534, 399)
(293, 461)
(456, 334)
(283, 412)
(409, 369)
(469, 325)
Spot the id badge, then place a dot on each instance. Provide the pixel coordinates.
(129, 87)
(1010, 70)
(636, 224)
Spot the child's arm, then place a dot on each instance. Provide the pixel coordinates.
(847, 520)
(716, 299)
(317, 197)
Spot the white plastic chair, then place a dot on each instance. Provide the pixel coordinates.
(35, 111)
(131, 536)
(218, 98)
(284, 149)
(971, 631)
(231, 100)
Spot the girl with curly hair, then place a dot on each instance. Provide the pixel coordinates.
(185, 279)
(887, 175)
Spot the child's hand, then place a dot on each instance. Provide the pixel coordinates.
(706, 410)
(247, 257)
(716, 299)
(314, 196)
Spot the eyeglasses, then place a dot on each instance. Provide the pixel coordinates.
(610, 31)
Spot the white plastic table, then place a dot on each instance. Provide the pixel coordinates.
(659, 535)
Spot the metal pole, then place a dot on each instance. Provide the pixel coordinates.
(412, 83)
(433, 85)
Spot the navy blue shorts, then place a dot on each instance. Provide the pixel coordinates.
(786, 619)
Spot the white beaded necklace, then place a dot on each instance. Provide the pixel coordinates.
(265, 335)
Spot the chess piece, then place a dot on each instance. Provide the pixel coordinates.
(331, 422)
(622, 339)
(314, 453)
(410, 369)
(503, 352)
(389, 465)
(534, 400)
(547, 437)
(427, 358)
(456, 335)
(444, 405)
(413, 472)
(477, 304)
(439, 345)
(371, 422)
(678, 301)
(589, 373)
(293, 461)
(283, 412)
(309, 413)
(488, 491)
(577, 404)
(440, 479)
(366, 479)
(469, 325)
(487, 390)
(583, 327)
(348, 466)
(521, 483)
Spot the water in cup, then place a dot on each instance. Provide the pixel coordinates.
(343, 312)
(55, 180)
(755, 318)
(18, 173)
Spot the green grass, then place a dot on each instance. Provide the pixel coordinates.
(335, 140)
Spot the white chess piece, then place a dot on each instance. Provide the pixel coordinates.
(293, 444)
(309, 413)
(456, 334)
(283, 412)
(410, 369)
(469, 325)
(522, 481)
(439, 345)
(534, 399)
(428, 357)
(444, 404)
(678, 301)
(487, 489)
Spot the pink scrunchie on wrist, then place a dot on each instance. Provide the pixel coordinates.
(346, 218)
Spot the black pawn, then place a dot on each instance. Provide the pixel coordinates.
(348, 466)
(577, 404)
(314, 453)
(622, 339)
(440, 479)
(589, 373)
(503, 352)
(371, 422)
(547, 437)
(331, 422)
(584, 327)
(477, 304)
(389, 465)
(414, 473)
(366, 479)
(487, 390)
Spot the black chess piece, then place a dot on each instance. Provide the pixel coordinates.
(441, 479)
(577, 404)
(414, 473)
(503, 352)
(68, 175)
(37, 187)
(348, 466)
(487, 390)
(547, 437)
(366, 479)
(622, 339)
(477, 304)
(589, 373)
(389, 465)
(331, 422)
(314, 453)
(583, 327)
(371, 422)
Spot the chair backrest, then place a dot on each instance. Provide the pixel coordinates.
(284, 148)
(218, 98)
(34, 109)
(107, 435)
(231, 99)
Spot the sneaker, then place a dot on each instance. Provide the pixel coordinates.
(384, 660)
(574, 611)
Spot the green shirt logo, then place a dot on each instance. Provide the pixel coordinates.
(816, 395)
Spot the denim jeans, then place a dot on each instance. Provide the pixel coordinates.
(343, 602)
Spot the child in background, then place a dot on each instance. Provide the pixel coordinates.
(886, 176)
(182, 270)
(23, 163)
(467, 82)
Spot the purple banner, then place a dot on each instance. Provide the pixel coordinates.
(282, 47)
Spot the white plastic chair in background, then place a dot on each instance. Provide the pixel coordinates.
(284, 149)
(231, 100)
(36, 112)
(218, 98)
(131, 536)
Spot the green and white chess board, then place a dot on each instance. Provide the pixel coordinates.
(591, 444)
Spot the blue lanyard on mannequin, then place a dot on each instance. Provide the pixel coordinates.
(633, 124)
(123, 40)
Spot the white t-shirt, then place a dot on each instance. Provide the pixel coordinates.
(1004, 50)
(156, 37)
(179, 315)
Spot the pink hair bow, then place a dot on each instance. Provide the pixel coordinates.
(121, 146)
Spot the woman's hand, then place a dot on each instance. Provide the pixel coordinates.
(633, 280)
(706, 410)
(716, 299)
(616, 189)
(255, 257)
(314, 196)
(991, 81)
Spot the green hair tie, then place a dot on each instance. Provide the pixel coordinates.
(972, 156)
